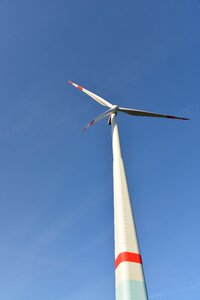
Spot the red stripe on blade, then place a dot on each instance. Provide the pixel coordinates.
(178, 118)
(92, 122)
(171, 117)
(128, 256)
(80, 87)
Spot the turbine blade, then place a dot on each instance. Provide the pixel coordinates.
(100, 117)
(92, 95)
(142, 113)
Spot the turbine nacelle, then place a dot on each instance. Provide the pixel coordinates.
(114, 109)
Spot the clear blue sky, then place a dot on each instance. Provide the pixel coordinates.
(56, 198)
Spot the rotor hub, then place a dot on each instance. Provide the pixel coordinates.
(116, 107)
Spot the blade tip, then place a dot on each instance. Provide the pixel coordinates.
(77, 86)
(173, 117)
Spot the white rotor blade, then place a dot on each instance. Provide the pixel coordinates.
(142, 113)
(92, 95)
(103, 115)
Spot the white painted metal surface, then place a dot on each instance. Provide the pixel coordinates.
(129, 278)
(92, 95)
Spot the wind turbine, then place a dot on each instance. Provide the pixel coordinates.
(129, 275)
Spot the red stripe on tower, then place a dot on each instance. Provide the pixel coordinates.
(128, 256)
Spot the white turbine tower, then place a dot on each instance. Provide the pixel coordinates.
(129, 275)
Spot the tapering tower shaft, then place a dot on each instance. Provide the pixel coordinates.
(129, 276)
